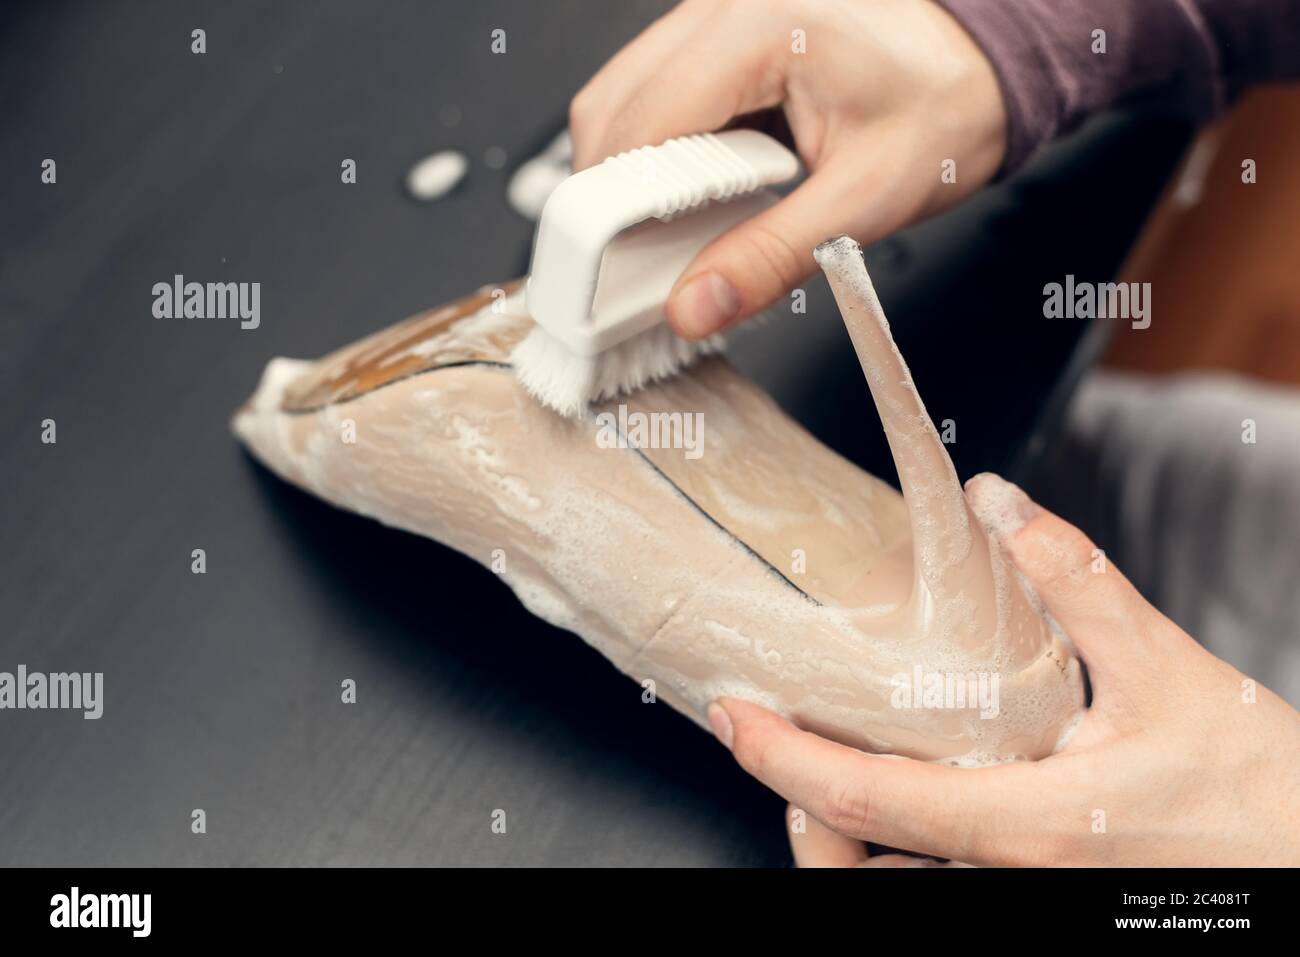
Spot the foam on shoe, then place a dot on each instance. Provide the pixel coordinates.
(679, 571)
(966, 592)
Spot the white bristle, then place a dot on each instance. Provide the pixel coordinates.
(568, 383)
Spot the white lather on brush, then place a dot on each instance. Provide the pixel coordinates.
(611, 243)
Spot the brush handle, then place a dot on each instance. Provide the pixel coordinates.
(589, 211)
(690, 171)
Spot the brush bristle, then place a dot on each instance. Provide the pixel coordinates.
(568, 383)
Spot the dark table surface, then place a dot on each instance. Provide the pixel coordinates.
(223, 689)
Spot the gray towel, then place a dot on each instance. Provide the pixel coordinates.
(1205, 523)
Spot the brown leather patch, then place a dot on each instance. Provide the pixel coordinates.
(410, 347)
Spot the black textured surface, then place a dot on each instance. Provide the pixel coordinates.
(222, 690)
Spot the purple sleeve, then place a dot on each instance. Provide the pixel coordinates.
(1195, 54)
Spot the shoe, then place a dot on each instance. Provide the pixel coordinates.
(692, 533)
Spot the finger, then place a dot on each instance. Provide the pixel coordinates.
(604, 94)
(727, 70)
(907, 860)
(816, 845)
(969, 815)
(749, 267)
(1121, 637)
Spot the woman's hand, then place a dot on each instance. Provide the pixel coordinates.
(880, 95)
(1181, 759)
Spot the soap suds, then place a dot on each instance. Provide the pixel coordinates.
(1001, 506)
(618, 556)
(534, 181)
(437, 175)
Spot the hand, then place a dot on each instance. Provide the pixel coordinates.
(1189, 762)
(886, 92)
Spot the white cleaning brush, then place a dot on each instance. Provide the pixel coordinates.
(612, 242)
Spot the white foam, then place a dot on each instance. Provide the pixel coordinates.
(1000, 505)
(534, 181)
(436, 461)
(436, 175)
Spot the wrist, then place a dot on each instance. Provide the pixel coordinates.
(974, 99)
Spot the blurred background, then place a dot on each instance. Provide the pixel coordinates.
(222, 690)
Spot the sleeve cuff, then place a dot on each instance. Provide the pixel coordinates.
(1043, 54)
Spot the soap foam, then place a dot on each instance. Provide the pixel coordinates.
(580, 551)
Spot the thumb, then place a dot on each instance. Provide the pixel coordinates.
(979, 815)
(752, 265)
(1122, 637)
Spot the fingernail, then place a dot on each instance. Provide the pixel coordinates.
(704, 305)
(720, 722)
(1001, 506)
